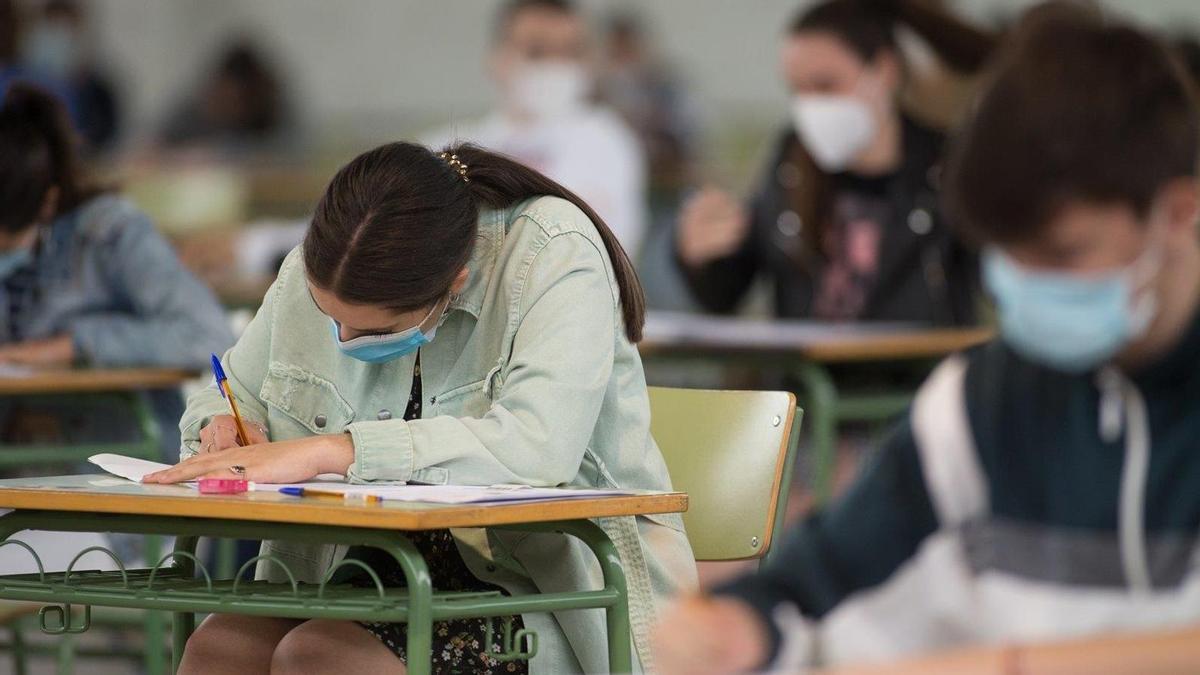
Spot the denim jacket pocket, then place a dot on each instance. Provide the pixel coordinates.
(311, 401)
(468, 400)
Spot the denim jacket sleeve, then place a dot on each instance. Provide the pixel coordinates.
(553, 386)
(173, 320)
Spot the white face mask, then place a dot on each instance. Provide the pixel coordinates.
(549, 90)
(52, 50)
(834, 129)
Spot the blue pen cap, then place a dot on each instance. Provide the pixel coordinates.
(219, 373)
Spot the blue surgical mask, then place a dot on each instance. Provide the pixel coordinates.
(11, 261)
(381, 348)
(1069, 322)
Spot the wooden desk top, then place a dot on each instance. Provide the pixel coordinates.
(85, 380)
(677, 334)
(107, 494)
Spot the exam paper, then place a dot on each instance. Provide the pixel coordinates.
(134, 469)
(15, 370)
(468, 494)
(130, 468)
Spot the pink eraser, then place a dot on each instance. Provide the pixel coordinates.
(224, 486)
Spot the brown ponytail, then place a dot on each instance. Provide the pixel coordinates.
(397, 224)
(497, 181)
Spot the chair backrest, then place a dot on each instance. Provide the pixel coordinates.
(732, 452)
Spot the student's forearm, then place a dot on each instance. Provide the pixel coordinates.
(122, 340)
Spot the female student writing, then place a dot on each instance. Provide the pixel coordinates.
(85, 279)
(454, 318)
(845, 223)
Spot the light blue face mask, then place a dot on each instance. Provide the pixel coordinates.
(1066, 321)
(11, 261)
(381, 348)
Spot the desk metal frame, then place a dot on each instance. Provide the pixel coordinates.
(78, 387)
(172, 585)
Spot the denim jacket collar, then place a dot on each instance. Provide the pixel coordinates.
(492, 226)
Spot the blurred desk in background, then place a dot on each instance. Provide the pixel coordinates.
(806, 350)
(187, 197)
(242, 292)
(80, 385)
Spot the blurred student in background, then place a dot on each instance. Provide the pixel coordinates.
(1045, 486)
(845, 221)
(57, 47)
(85, 279)
(546, 119)
(644, 90)
(652, 100)
(14, 67)
(239, 107)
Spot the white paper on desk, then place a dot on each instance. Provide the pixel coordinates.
(469, 494)
(134, 469)
(130, 468)
(15, 370)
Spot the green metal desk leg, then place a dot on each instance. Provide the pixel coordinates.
(66, 655)
(420, 604)
(182, 623)
(20, 663)
(154, 623)
(821, 416)
(151, 444)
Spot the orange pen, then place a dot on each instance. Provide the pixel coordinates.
(227, 394)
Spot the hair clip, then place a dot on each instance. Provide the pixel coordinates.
(456, 164)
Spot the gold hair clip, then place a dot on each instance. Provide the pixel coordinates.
(456, 164)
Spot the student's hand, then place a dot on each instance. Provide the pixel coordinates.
(703, 636)
(55, 351)
(221, 434)
(291, 461)
(712, 225)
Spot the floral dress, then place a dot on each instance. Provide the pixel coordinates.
(458, 644)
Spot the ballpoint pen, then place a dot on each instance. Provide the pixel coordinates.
(330, 494)
(227, 394)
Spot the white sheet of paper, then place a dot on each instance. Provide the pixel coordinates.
(467, 494)
(129, 468)
(15, 370)
(134, 469)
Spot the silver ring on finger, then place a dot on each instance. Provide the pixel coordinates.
(238, 469)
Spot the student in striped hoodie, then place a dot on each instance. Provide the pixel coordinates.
(1046, 485)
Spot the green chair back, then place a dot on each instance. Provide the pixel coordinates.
(732, 452)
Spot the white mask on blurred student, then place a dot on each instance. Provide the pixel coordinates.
(834, 129)
(51, 49)
(549, 90)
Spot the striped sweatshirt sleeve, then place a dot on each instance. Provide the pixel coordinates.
(854, 544)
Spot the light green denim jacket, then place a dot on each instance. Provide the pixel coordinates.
(529, 380)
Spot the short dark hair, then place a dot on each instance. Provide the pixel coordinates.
(1074, 108)
(510, 9)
